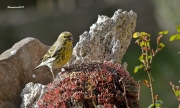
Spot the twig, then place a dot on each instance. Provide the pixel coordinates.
(148, 70)
(139, 91)
(125, 94)
(151, 87)
(176, 90)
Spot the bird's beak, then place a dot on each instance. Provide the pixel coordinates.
(71, 38)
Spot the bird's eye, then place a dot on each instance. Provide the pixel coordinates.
(65, 37)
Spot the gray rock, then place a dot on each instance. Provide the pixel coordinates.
(31, 93)
(108, 39)
(17, 68)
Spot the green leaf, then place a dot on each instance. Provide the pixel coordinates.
(178, 28)
(178, 37)
(136, 35)
(161, 45)
(148, 44)
(136, 69)
(141, 66)
(144, 34)
(163, 32)
(177, 93)
(172, 37)
(148, 34)
(151, 106)
(141, 58)
(142, 43)
(159, 103)
(149, 57)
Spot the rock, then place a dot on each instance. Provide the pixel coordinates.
(17, 68)
(30, 93)
(7, 105)
(108, 39)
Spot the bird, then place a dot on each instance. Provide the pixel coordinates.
(59, 53)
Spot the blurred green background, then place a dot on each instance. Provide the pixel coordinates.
(46, 19)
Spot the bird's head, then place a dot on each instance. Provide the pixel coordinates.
(65, 38)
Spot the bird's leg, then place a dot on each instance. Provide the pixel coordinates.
(52, 72)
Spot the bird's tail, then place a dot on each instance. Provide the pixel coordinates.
(42, 64)
(37, 67)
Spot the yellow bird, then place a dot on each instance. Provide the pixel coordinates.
(59, 53)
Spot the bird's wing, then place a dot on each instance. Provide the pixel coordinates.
(52, 51)
(56, 50)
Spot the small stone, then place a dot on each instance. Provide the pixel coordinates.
(33, 75)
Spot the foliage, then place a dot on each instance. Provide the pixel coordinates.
(175, 36)
(143, 40)
(176, 91)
